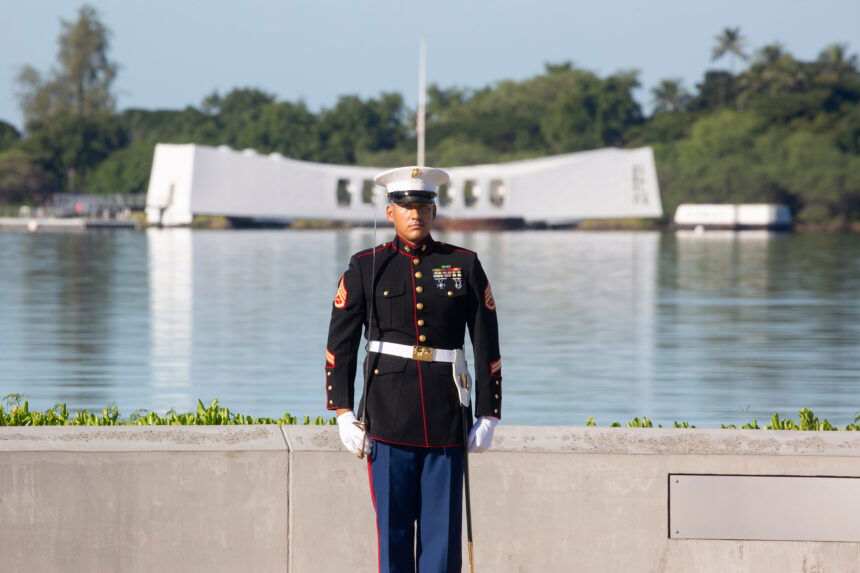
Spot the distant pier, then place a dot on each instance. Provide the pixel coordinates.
(64, 224)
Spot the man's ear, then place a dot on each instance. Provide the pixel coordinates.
(389, 212)
(434, 211)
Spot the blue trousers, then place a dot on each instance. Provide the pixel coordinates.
(413, 485)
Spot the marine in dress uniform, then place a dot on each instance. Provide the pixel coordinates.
(414, 299)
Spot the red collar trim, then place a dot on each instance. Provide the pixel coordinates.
(412, 245)
(414, 250)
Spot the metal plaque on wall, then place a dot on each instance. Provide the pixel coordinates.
(796, 508)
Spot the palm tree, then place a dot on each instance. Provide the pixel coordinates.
(834, 63)
(774, 70)
(732, 43)
(670, 96)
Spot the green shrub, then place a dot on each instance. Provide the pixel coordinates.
(19, 414)
(808, 422)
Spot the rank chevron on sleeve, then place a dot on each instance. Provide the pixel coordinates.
(340, 297)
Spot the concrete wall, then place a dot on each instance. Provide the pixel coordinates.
(262, 498)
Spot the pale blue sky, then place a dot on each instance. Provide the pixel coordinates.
(174, 52)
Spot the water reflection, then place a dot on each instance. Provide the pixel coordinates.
(170, 315)
(710, 328)
(757, 328)
(62, 310)
(577, 318)
(245, 314)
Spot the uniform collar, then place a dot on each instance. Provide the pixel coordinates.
(407, 248)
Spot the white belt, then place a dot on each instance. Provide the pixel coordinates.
(423, 353)
(457, 358)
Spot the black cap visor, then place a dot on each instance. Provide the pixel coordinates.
(406, 197)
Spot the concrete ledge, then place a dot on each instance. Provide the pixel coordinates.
(265, 438)
(264, 498)
(674, 441)
(533, 439)
(312, 439)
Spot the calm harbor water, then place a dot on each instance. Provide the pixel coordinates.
(710, 328)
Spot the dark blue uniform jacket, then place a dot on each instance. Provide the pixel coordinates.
(425, 295)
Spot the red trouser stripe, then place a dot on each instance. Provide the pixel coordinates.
(373, 497)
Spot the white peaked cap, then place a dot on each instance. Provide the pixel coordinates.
(411, 178)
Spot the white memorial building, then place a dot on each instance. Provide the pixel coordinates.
(189, 180)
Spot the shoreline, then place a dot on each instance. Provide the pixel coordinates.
(138, 221)
(585, 225)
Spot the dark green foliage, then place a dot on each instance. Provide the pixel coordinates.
(563, 110)
(287, 128)
(793, 137)
(716, 91)
(19, 414)
(23, 179)
(9, 136)
(353, 126)
(70, 146)
(808, 421)
(171, 126)
(124, 171)
(779, 130)
(81, 82)
(670, 96)
(846, 130)
(663, 127)
(729, 43)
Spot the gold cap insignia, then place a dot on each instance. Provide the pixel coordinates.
(416, 173)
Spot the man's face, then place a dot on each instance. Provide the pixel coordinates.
(412, 221)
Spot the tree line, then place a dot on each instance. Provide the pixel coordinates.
(779, 129)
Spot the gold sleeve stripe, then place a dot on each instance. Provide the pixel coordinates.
(340, 297)
(496, 367)
(329, 358)
(489, 302)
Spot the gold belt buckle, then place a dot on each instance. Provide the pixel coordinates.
(423, 353)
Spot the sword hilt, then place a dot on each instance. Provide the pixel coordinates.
(360, 425)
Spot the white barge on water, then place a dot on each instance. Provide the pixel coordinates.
(703, 216)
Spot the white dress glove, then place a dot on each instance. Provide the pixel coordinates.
(481, 434)
(351, 435)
